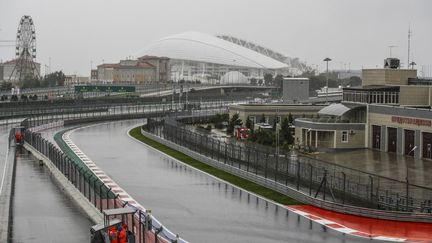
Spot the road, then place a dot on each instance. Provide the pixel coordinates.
(198, 207)
(41, 211)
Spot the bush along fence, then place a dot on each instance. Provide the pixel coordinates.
(145, 227)
(306, 179)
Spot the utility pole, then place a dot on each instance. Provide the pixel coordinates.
(327, 60)
(409, 44)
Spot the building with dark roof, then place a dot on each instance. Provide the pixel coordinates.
(144, 70)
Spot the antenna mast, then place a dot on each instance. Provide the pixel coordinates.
(409, 43)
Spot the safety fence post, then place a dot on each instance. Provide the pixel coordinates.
(100, 197)
(298, 175)
(107, 197)
(240, 157)
(266, 162)
(310, 179)
(94, 191)
(256, 161)
(344, 187)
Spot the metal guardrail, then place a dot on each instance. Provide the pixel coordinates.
(30, 109)
(318, 181)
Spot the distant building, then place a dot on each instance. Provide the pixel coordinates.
(199, 56)
(94, 75)
(6, 69)
(144, 70)
(346, 74)
(106, 72)
(295, 90)
(161, 64)
(74, 79)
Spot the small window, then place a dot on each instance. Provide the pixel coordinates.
(344, 136)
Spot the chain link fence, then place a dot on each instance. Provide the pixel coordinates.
(316, 178)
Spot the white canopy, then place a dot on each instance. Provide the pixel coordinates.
(334, 110)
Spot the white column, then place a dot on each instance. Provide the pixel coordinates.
(334, 138)
(306, 138)
(310, 138)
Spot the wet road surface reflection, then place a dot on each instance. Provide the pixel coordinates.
(198, 207)
(41, 211)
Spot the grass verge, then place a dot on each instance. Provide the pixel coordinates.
(235, 180)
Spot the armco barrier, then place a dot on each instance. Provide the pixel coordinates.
(176, 138)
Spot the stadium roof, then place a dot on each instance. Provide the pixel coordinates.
(201, 47)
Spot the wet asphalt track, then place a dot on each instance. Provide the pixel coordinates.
(195, 205)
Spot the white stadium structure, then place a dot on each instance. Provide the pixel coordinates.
(213, 59)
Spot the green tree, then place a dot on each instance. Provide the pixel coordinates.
(285, 132)
(249, 123)
(264, 137)
(268, 78)
(290, 119)
(234, 121)
(54, 79)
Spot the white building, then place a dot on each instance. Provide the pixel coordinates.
(6, 69)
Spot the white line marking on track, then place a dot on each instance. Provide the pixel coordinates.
(4, 169)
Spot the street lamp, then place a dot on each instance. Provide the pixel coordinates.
(327, 60)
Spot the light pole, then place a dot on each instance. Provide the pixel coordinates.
(327, 60)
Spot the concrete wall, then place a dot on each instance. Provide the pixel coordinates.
(356, 139)
(387, 76)
(385, 121)
(136, 75)
(415, 95)
(105, 73)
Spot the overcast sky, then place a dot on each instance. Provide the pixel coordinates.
(75, 32)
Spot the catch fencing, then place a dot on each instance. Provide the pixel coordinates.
(317, 179)
(143, 225)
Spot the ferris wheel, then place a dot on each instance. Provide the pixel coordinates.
(26, 38)
(25, 51)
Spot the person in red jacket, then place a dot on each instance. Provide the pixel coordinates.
(122, 234)
(112, 233)
(18, 137)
